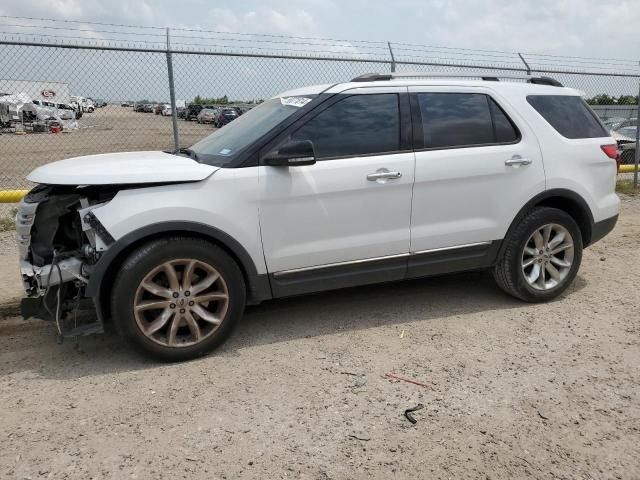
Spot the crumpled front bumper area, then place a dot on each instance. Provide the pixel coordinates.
(56, 256)
(37, 279)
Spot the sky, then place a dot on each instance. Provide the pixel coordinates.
(580, 30)
(599, 28)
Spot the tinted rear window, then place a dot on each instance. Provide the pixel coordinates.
(463, 119)
(505, 130)
(569, 115)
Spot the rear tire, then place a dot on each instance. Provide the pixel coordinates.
(541, 256)
(177, 298)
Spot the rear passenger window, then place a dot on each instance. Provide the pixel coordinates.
(569, 115)
(505, 130)
(358, 125)
(463, 119)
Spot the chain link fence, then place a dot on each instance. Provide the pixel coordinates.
(62, 100)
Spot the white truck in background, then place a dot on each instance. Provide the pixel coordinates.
(84, 104)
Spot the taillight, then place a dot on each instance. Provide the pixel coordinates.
(612, 152)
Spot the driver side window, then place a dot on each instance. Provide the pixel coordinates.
(365, 124)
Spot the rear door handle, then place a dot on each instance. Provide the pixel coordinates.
(516, 161)
(383, 174)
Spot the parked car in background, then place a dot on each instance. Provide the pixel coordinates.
(192, 111)
(148, 108)
(625, 134)
(76, 108)
(166, 111)
(207, 115)
(181, 112)
(160, 107)
(84, 104)
(66, 111)
(613, 122)
(99, 103)
(138, 107)
(626, 139)
(629, 122)
(125, 104)
(224, 116)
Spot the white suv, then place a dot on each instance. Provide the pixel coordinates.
(379, 179)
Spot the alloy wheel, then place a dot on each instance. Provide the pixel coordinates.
(547, 256)
(181, 302)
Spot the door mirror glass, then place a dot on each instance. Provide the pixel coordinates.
(293, 153)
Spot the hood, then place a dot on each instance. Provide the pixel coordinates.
(122, 168)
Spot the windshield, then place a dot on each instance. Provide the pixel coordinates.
(224, 145)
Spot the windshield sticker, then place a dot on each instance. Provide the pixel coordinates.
(225, 151)
(295, 101)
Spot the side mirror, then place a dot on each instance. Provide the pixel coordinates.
(294, 153)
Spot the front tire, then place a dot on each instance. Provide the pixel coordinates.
(178, 298)
(541, 256)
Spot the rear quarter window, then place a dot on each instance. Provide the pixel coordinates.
(569, 115)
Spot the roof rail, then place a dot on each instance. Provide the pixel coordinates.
(375, 77)
(545, 81)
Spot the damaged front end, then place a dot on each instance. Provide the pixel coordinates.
(59, 242)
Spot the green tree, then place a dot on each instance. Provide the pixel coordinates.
(627, 100)
(224, 100)
(602, 99)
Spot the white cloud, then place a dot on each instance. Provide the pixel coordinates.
(582, 27)
(117, 11)
(602, 28)
(294, 21)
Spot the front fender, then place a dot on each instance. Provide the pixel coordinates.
(257, 285)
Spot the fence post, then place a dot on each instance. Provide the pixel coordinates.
(172, 95)
(637, 159)
(393, 58)
(525, 63)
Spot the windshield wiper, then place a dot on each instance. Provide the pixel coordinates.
(189, 152)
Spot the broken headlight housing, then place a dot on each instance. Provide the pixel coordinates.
(59, 240)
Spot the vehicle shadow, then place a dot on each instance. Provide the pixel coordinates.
(419, 300)
(33, 346)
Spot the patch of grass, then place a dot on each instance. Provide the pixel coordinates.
(9, 222)
(626, 187)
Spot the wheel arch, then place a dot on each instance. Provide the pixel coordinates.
(562, 199)
(101, 280)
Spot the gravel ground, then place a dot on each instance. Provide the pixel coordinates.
(510, 390)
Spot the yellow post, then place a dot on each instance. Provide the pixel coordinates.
(12, 196)
(623, 169)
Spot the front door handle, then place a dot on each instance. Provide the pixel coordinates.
(516, 161)
(383, 174)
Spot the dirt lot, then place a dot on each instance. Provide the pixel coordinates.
(512, 390)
